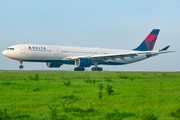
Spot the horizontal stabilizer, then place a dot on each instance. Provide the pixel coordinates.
(164, 49)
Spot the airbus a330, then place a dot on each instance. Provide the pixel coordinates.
(82, 57)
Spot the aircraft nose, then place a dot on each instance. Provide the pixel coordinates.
(5, 53)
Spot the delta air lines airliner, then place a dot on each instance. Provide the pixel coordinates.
(81, 57)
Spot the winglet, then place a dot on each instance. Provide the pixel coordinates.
(149, 42)
(164, 49)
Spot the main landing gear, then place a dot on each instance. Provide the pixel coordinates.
(21, 66)
(79, 69)
(96, 69)
(92, 69)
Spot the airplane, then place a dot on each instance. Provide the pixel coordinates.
(82, 57)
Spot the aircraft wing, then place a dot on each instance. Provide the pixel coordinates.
(131, 54)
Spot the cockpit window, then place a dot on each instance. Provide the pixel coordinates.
(10, 48)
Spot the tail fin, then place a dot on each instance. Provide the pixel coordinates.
(149, 42)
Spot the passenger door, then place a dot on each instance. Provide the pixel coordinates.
(56, 51)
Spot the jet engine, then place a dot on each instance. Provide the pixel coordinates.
(53, 64)
(83, 62)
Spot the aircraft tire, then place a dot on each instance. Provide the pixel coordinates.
(21, 66)
(79, 69)
(100, 69)
(96, 69)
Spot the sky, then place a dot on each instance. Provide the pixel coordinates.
(115, 24)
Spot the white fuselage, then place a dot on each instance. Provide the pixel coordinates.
(46, 53)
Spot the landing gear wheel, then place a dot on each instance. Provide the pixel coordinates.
(96, 69)
(100, 69)
(21, 66)
(79, 69)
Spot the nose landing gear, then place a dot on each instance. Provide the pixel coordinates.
(21, 66)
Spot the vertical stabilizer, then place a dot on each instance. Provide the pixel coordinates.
(149, 42)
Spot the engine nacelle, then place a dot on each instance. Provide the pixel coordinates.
(53, 64)
(83, 62)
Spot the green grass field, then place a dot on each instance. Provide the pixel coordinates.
(104, 95)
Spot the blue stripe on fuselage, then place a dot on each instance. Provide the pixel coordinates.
(72, 62)
(59, 61)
